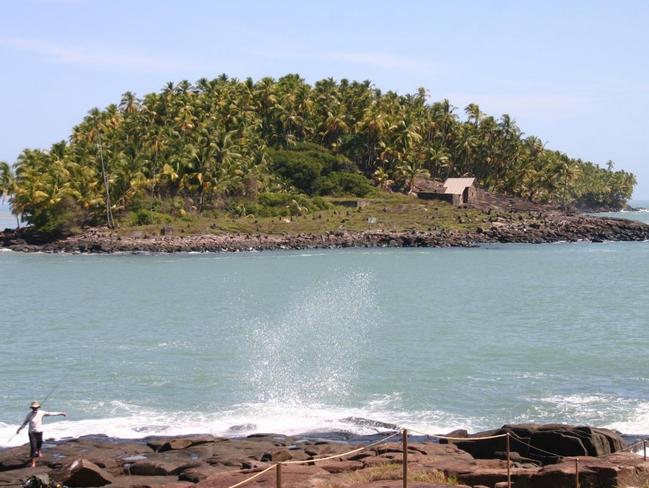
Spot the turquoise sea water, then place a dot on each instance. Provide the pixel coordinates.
(641, 213)
(7, 221)
(294, 341)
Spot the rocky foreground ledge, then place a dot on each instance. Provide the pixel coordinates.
(531, 228)
(212, 462)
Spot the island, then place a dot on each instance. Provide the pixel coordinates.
(226, 164)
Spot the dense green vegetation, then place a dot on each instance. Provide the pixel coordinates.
(276, 147)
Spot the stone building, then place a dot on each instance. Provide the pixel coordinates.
(458, 191)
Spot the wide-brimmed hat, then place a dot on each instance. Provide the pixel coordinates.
(35, 404)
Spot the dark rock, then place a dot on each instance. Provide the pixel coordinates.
(196, 474)
(164, 464)
(457, 433)
(85, 473)
(179, 443)
(341, 466)
(242, 428)
(544, 443)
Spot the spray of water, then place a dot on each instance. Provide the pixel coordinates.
(309, 353)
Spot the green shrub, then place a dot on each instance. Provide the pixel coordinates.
(143, 217)
(278, 205)
(303, 165)
(58, 220)
(339, 184)
(299, 171)
(148, 217)
(320, 203)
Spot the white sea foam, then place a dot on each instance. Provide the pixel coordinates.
(128, 421)
(637, 423)
(244, 420)
(627, 415)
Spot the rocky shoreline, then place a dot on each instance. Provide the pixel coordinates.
(600, 456)
(533, 227)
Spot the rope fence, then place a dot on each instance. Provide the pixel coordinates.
(403, 432)
(344, 454)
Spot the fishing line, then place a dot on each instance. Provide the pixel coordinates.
(47, 397)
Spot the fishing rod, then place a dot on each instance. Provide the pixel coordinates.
(47, 397)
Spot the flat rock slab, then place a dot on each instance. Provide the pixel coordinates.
(177, 443)
(292, 476)
(341, 466)
(399, 484)
(208, 462)
(19, 476)
(148, 482)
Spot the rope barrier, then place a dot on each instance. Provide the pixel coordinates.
(499, 436)
(404, 431)
(334, 456)
(630, 447)
(518, 439)
(256, 475)
(315, 460)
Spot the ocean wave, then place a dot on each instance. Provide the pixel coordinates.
(637, 423)
(246, 419)
(381, 413)
(627, 415)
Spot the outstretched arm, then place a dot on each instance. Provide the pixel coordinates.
(54, 414)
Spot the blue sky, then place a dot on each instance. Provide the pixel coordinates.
(576, 74)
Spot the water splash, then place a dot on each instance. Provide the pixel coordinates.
(310, 352)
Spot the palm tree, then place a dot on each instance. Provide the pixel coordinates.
(6, 180)
(8, 187)
(473, 112)
(382, 179)
(209, 140)
(410, 171)
(129, 103)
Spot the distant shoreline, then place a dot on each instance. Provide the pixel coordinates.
(525, 227)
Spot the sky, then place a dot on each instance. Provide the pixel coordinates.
(575, 74)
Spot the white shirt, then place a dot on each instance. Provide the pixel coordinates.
(35, 419)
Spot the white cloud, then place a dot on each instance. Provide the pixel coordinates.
(96, 57)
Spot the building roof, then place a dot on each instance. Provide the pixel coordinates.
(456, 186)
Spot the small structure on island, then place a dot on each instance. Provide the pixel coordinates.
(458, 191)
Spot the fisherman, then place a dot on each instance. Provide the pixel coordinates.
(35, 421)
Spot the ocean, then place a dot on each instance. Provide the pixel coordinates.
(290, 342)
(7, 221)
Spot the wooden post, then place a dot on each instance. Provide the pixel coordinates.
(404, 438)
(576, 473)
(509, 473)
(644, 445)
(278, 475)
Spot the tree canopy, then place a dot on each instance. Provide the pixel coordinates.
(206, 143)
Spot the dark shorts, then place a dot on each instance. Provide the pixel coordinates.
(35, 443)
